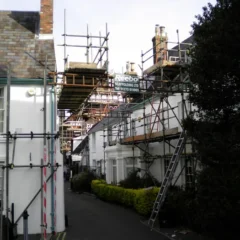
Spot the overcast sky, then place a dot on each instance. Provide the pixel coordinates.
(131, 24)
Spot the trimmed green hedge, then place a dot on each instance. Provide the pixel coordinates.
(140, 199)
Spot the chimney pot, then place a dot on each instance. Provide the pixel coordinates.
(157, 30)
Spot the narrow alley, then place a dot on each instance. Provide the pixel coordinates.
(90, 219)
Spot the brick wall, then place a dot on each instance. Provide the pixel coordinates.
(46, 17)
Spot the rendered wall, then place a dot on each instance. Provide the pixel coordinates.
(26, 115)
(96, 151)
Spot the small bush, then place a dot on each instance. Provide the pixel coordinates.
(133, 181)
(82, 182)
(144, 199)
(139, 199)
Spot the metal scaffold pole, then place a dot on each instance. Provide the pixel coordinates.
(7, 144)
(45, 156)
(2, 201)
(65, 50)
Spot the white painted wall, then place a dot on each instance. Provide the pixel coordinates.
(96, 150)
(118, 154)
(26, 115)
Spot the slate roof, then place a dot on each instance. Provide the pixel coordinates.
(20, 45)
(182, 47)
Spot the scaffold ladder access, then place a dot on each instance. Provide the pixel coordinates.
(167, 179)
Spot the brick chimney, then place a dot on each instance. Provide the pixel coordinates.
(159, 44)
(46, 17)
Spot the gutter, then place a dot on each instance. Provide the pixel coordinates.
(25, 81)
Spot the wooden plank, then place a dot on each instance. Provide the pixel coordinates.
(142, 137)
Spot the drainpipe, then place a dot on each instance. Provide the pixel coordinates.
(7, 145)
(52, 157)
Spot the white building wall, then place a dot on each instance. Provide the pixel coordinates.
(118, 153)
(170, 120)
(26, 115)
(96, 150)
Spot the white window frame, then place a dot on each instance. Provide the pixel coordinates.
(133, 128)
(130, 164)
(114, 171)
(147, 123)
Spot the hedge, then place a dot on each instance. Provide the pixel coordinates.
(139, 199)
(82, 182)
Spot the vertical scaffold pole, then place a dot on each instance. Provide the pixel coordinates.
(2, 201)
(55, 162)
(55, 188)
(65, 43)
(7, 145)
(45, 157)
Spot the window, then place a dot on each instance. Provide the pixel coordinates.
(148, 123)
(130, 165)
(166, 163)
(133, 128)
(1, 109)
(114, 166)
(125, 129)
(109, 134)
(94, 141)
(99, 167)
(189, 172)
(94, 164)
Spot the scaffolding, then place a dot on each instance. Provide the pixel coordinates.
(167, 77)
(85, 89)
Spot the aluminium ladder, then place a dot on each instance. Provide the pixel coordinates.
(167, 179)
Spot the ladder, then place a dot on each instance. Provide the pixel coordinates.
(167, 180)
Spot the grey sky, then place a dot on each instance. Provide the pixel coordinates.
(131, 24)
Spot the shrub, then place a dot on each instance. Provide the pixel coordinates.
(217, 201)
(140, 199)
(82, 182)
(133, 181)
(178, 208)
(144, 199)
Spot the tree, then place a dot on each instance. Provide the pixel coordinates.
(215, 74)
(215, 59)
(215, 126)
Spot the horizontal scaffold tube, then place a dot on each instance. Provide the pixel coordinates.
(12, 166)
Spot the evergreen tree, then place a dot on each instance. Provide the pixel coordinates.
(215, 126)
(215, 74)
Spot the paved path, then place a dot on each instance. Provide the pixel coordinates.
(92, 219)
